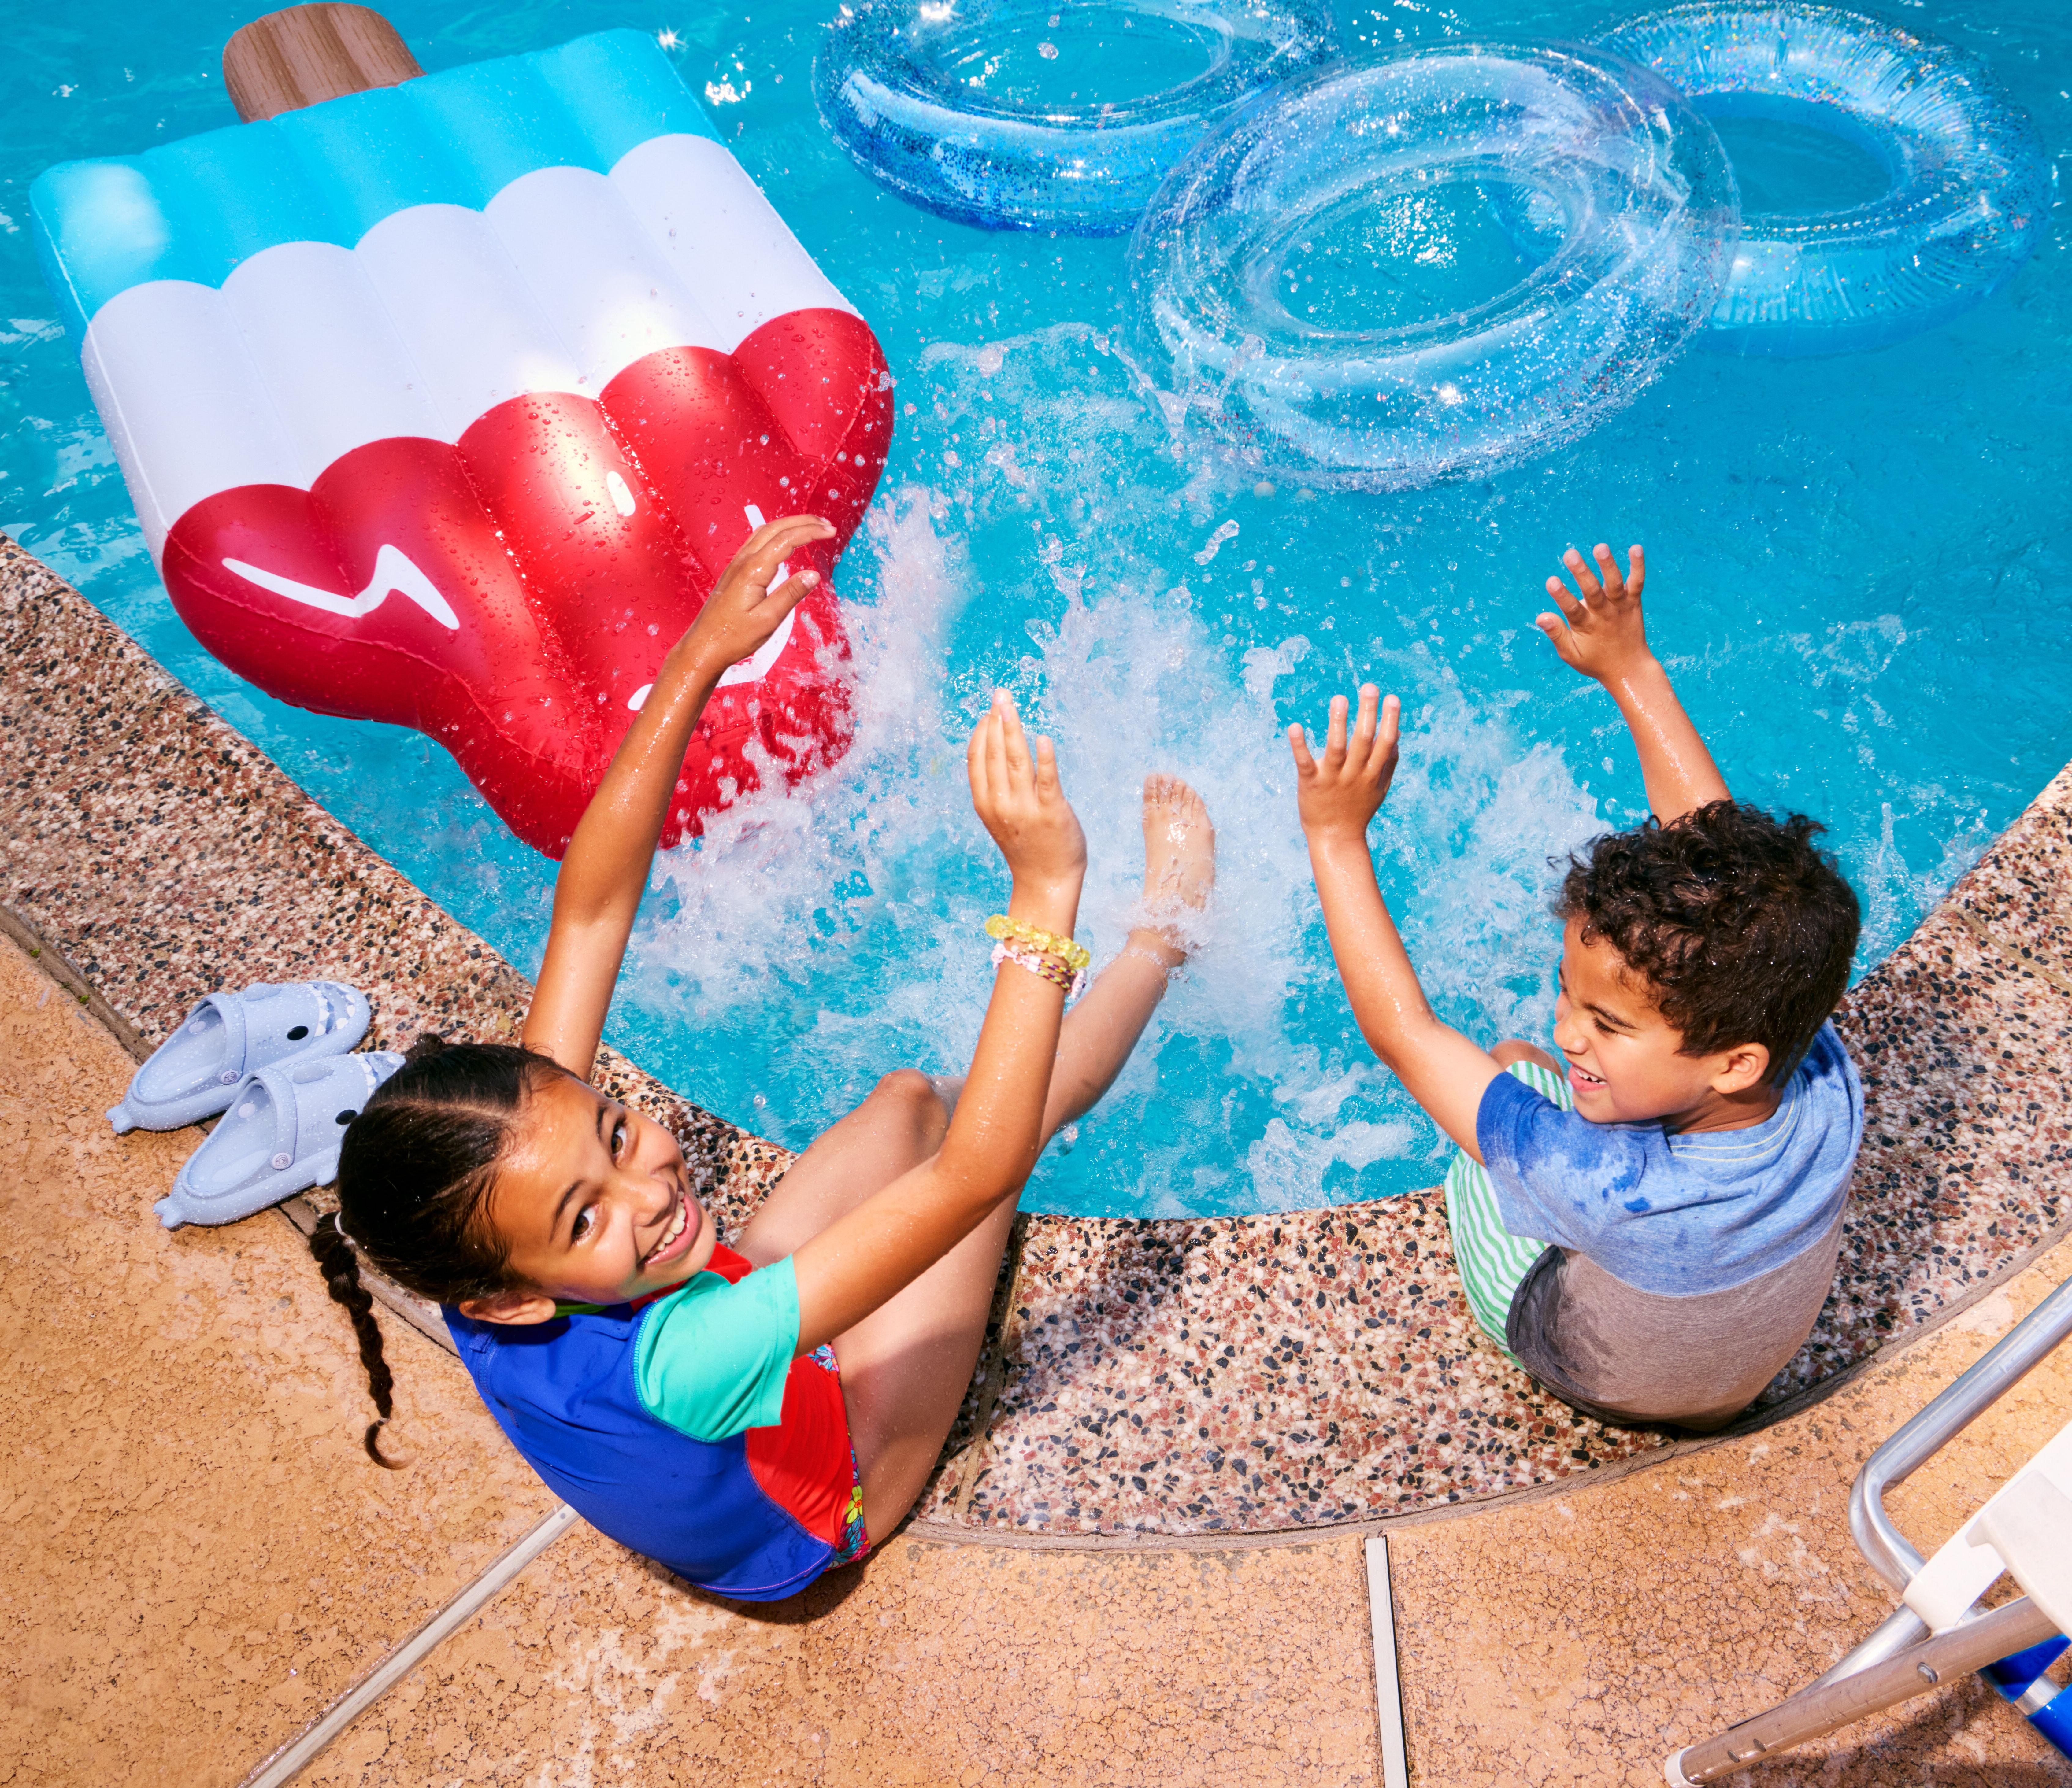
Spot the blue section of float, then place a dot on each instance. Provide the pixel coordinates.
(195, 210)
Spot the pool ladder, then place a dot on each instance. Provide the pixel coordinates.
(1939, 1633)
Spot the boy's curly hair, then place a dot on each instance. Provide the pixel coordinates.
(1742, 930)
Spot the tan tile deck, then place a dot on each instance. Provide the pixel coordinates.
(1577, 1639)
(1573, 1639)
(936, 1665)
(196, 1558)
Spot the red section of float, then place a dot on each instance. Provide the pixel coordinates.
(513, 594)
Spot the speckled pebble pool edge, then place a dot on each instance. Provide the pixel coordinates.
(1213, 1376)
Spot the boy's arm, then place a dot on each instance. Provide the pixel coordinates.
(1338, 796)
(604, 871)
(1602, 636)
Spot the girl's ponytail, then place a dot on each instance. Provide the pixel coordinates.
(415, 1172)
(334, 1252)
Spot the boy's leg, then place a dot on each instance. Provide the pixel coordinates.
(1492, 1260)
(905, 1367)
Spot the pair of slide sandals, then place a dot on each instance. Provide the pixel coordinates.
(275, 1059)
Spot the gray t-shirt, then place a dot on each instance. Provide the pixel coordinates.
(1683, 1272)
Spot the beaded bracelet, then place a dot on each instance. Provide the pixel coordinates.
(1072, 982)
(1075, 956)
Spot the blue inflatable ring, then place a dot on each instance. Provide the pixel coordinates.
(1970, 193)
(933, 97)
(1619, 191)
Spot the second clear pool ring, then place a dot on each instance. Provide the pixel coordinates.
(1045, 114)
(1432, 266)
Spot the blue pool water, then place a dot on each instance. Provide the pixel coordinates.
(1858, 566)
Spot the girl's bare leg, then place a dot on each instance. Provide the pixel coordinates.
(905, 1367)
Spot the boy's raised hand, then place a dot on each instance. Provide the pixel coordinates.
(1601, 635)
(743, 611)
(1342, 791)
(1019, 800)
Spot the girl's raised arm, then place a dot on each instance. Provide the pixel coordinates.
(860, 1260)
(604, 870)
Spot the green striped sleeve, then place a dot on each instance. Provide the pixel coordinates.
(1493, 1262)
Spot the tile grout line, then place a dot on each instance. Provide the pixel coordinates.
(1388, 1680)
(284, 1765)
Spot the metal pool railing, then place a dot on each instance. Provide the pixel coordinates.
(2028, 1523)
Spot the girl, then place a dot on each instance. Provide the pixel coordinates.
(749, 1416)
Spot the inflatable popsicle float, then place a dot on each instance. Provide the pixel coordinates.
(444, 402)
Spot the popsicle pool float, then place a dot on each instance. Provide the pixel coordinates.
(445, 403)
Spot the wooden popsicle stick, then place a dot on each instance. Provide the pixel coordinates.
(307, 53)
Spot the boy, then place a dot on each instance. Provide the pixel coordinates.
(1656, 1229)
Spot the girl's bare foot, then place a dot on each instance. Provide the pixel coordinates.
(1179, 868)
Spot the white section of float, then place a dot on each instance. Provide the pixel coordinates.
(440, 313)
(611, 297)
(181, 400)
(724, 240)
(475, 332)
(362, 386)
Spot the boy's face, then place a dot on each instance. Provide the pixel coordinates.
(1624, 1060)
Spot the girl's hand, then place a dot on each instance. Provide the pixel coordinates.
(743, 611)
(1019, 801)
(1603, 635)
(1341, 794)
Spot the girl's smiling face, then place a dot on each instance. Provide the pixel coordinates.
(593, 1203)
(1625, 1061)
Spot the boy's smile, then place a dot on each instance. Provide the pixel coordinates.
(595, 1203)
(1625, 1062)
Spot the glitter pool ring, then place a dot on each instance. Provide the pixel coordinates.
(1623, 192)
(920, 93)
(1969, 188)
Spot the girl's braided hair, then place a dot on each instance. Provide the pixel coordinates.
(414, 1176)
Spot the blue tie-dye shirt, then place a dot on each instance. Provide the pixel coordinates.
(1678, 1215)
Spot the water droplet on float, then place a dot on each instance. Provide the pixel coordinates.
(1048, 52)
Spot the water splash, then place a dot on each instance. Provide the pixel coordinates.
(817, 941)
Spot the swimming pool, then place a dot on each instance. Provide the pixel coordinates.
(1854, 568)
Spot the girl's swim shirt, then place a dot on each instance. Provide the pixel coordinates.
(683, 1426)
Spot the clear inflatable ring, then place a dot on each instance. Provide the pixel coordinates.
(1281, 282)
(1969, 188)
(1048, 114)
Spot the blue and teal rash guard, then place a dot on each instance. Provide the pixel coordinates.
(683, 1427)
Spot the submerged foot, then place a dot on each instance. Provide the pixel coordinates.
(1179, 866)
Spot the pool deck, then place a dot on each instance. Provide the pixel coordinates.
(198, 1559)
(1165, 1399)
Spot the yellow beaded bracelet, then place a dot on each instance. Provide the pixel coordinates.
(1075, 956)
